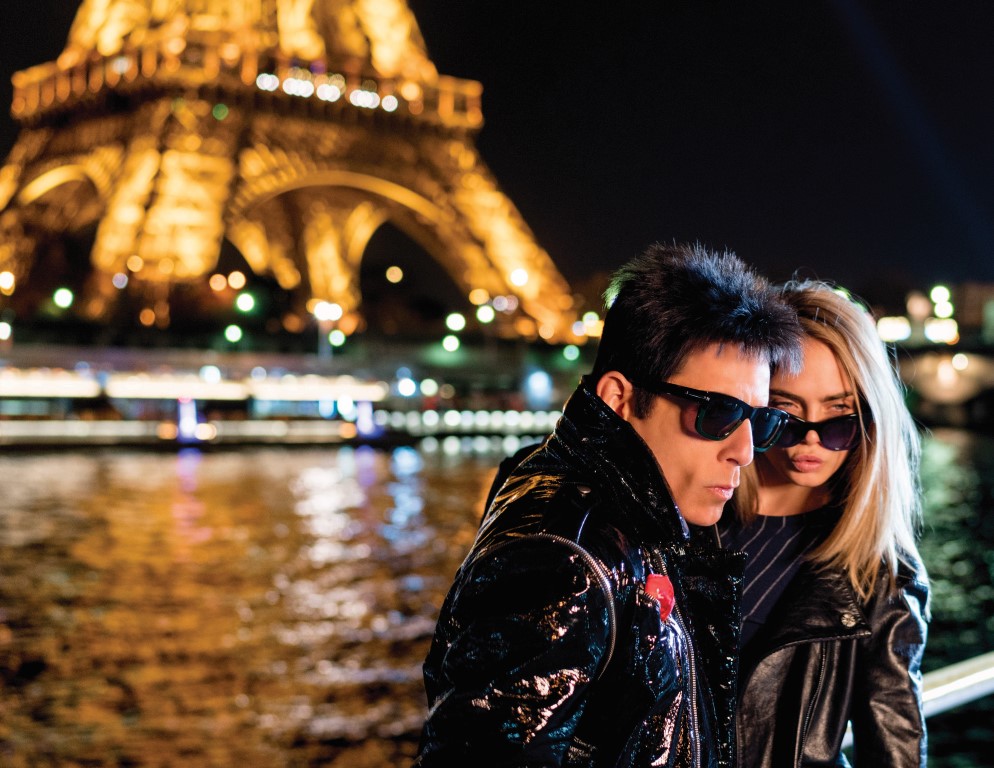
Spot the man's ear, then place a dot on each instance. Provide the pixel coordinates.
(617, 391)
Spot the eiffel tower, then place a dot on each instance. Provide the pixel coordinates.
(293, 129)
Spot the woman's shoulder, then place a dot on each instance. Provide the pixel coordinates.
(909, 571)
(912, 580)
(905, 588)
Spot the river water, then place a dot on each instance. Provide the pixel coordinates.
(272, 607)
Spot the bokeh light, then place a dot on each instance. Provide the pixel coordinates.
(63, 298)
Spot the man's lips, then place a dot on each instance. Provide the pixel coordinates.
(722, 491)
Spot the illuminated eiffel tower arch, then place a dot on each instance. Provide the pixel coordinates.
(292, 128)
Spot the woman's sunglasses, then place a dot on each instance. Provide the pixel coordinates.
(719, 415)
(839, 434)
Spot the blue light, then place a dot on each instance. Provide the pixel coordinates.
(187, 421)
(538, 389)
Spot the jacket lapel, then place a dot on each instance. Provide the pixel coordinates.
(819, 604)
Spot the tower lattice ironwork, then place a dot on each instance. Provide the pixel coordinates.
(292, 128)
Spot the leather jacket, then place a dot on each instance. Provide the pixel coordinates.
(548, 650)
(823, 658)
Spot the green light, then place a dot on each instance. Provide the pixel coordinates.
(485, 314)
(336, 338)
(943, 309)
(220, 111)
(233, 334)
(450, 343)
(455, 322)
(63, 298)
(939, 294)
(245, 302)
(571, 352)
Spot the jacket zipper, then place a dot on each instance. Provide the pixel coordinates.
(599, 571)
(605, 583)
(811, 705)
(660, 563)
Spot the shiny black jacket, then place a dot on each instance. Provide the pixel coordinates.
(823, 658)
(549, 652)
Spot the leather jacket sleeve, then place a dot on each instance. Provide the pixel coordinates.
(887, 717)
(526, 625)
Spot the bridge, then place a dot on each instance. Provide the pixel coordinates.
(952, 385)
(483, 392)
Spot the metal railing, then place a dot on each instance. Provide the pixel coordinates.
(958, 684)
(952, 686)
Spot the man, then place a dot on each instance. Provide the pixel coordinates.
(585, 626)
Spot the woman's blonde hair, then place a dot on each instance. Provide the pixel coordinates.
(878, 486)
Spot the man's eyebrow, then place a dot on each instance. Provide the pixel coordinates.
(783, 393)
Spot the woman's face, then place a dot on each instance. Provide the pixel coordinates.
(820, 391)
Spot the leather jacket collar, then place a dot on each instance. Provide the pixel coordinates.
(610, 449)
(820, 604)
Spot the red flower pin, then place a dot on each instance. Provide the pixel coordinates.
(661, 588)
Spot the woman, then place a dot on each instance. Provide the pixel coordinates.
(835, 601)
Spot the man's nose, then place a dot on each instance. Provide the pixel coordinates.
(739, 445)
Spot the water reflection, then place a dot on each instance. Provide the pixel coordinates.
(958, 547)
(958, 478)
(256, 608)
(273, 607)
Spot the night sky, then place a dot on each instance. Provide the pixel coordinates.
(849, 141)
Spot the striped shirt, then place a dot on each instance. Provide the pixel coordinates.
(775, 548)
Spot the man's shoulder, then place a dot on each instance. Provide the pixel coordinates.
(567, 505)
(549, 499)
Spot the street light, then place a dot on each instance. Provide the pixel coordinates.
(455, 322)
(245, 302)
(327, 313)
(63, 298)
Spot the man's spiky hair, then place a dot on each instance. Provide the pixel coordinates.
(674, 300)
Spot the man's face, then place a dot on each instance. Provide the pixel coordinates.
(702, 473)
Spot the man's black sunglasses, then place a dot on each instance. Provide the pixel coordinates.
(841, 433)
(719, 415)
